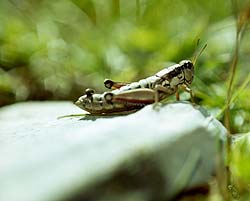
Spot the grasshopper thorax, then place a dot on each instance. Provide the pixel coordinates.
(188, 70)
(177, 74)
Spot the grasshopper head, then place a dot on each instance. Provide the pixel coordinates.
(188, 69)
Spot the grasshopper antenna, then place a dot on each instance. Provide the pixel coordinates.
(196, 55)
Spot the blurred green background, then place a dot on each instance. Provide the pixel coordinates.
(54, 50)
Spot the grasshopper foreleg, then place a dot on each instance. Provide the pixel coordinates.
(189, 90)
(177, 95)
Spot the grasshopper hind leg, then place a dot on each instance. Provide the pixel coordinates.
(108, 96)
(110, 84)
(134, 97)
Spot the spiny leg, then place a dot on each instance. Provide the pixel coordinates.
(177, 95)
(158, 89)
(167, 90)
(139, 97)
(189, 90)
(110, 84)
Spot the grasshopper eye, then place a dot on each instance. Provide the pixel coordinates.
(186, 64)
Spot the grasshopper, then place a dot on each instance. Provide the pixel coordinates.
(129, 97)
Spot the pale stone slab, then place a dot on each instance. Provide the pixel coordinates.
(148, 155)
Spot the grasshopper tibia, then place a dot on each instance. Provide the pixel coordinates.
(110, 84)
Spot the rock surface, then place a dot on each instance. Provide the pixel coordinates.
(148, 155)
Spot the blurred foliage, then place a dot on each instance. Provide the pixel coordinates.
(52, 50)
(240, 166)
